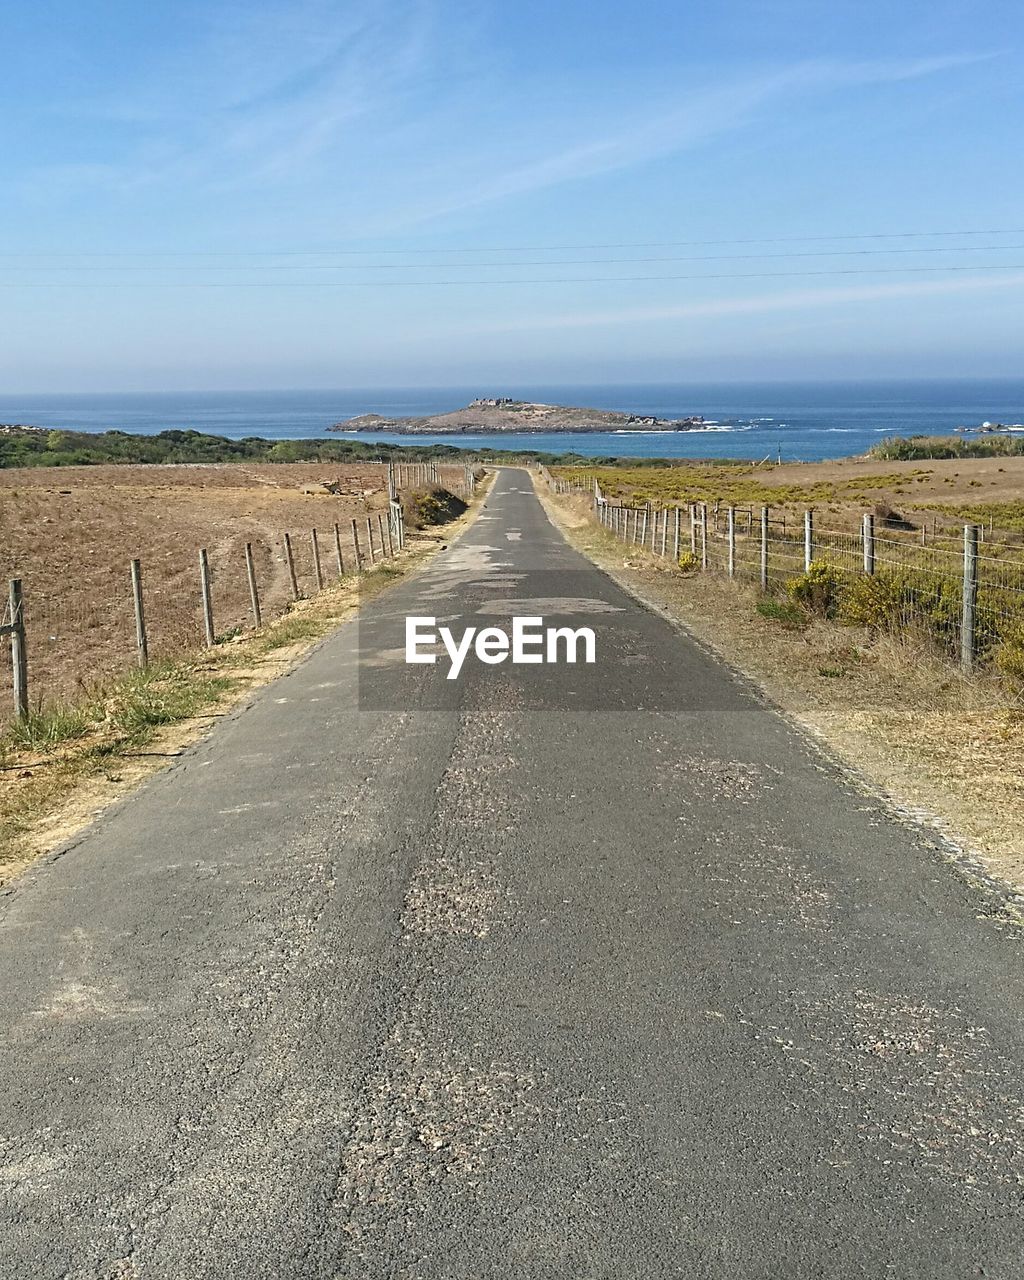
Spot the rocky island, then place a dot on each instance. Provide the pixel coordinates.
(500, 416)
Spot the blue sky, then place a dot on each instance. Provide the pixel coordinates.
(316, 194)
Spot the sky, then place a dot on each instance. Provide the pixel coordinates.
(311, 194)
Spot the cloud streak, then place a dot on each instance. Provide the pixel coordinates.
(760, 304)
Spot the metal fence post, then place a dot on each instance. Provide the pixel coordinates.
(967, 629)
(290, 561)
(764, 548)
(732, 541)
(19, 649)
(204, 584)
(808, 540)
(254, 593)
(869, 543)
(140, 617)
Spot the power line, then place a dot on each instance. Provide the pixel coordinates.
(548, 262)
(402, 284)
(558, 248)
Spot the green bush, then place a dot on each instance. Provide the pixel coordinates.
(820, 589)
(688, 562)
(876, 602)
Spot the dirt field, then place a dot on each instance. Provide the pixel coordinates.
(70, 533)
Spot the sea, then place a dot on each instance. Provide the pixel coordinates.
(797, 421)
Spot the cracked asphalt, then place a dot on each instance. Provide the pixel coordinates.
(592, 972)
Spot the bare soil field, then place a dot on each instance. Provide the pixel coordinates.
(70, 532)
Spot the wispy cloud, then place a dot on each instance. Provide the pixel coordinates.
(668, 125)
(759, 304)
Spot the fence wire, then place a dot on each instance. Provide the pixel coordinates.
(80, 625)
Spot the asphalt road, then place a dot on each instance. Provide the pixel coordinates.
(582, 973)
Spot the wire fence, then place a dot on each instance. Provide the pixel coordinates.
(60, 637)
(965, 595)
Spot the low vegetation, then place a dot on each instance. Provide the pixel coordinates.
(917, 448)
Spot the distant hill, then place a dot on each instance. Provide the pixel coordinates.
(508, 417)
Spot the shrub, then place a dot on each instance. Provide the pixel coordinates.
(688, 562)
(426, 507)
(819, 589)
(876, 602)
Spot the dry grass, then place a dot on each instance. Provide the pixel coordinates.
(70, 532)
(938, 742)
(938, 493)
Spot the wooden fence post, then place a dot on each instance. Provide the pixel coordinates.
(970, 602)
(254, 593)
(140, 617)
(204, 584)
(675, 534)
(317, 571)
(869, 542)
(764, 548)
(290, 561)
(355, 547)
(337, 551)
(19, 649)
(369, 538)
(808, 540)
(664, 531)
(731, 530)
(704, 536)
(384, 529)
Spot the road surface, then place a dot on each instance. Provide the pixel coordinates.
(564, 972)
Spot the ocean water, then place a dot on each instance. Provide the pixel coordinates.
(802, 421)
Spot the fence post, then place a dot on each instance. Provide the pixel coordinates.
(337, 551)
(869, 543)
(675, 534)
(664, 531)
(254, 593)
(967, 636)
(290, 561)
(355, 545)
(19, 649)
(643, 536)
(140, 616)
(693, 530)
(732, 541)
(385, 549)
(369, 538)
(204, 583)
(808, 540)
(317, 571)
(704, 536)
(764, 548)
